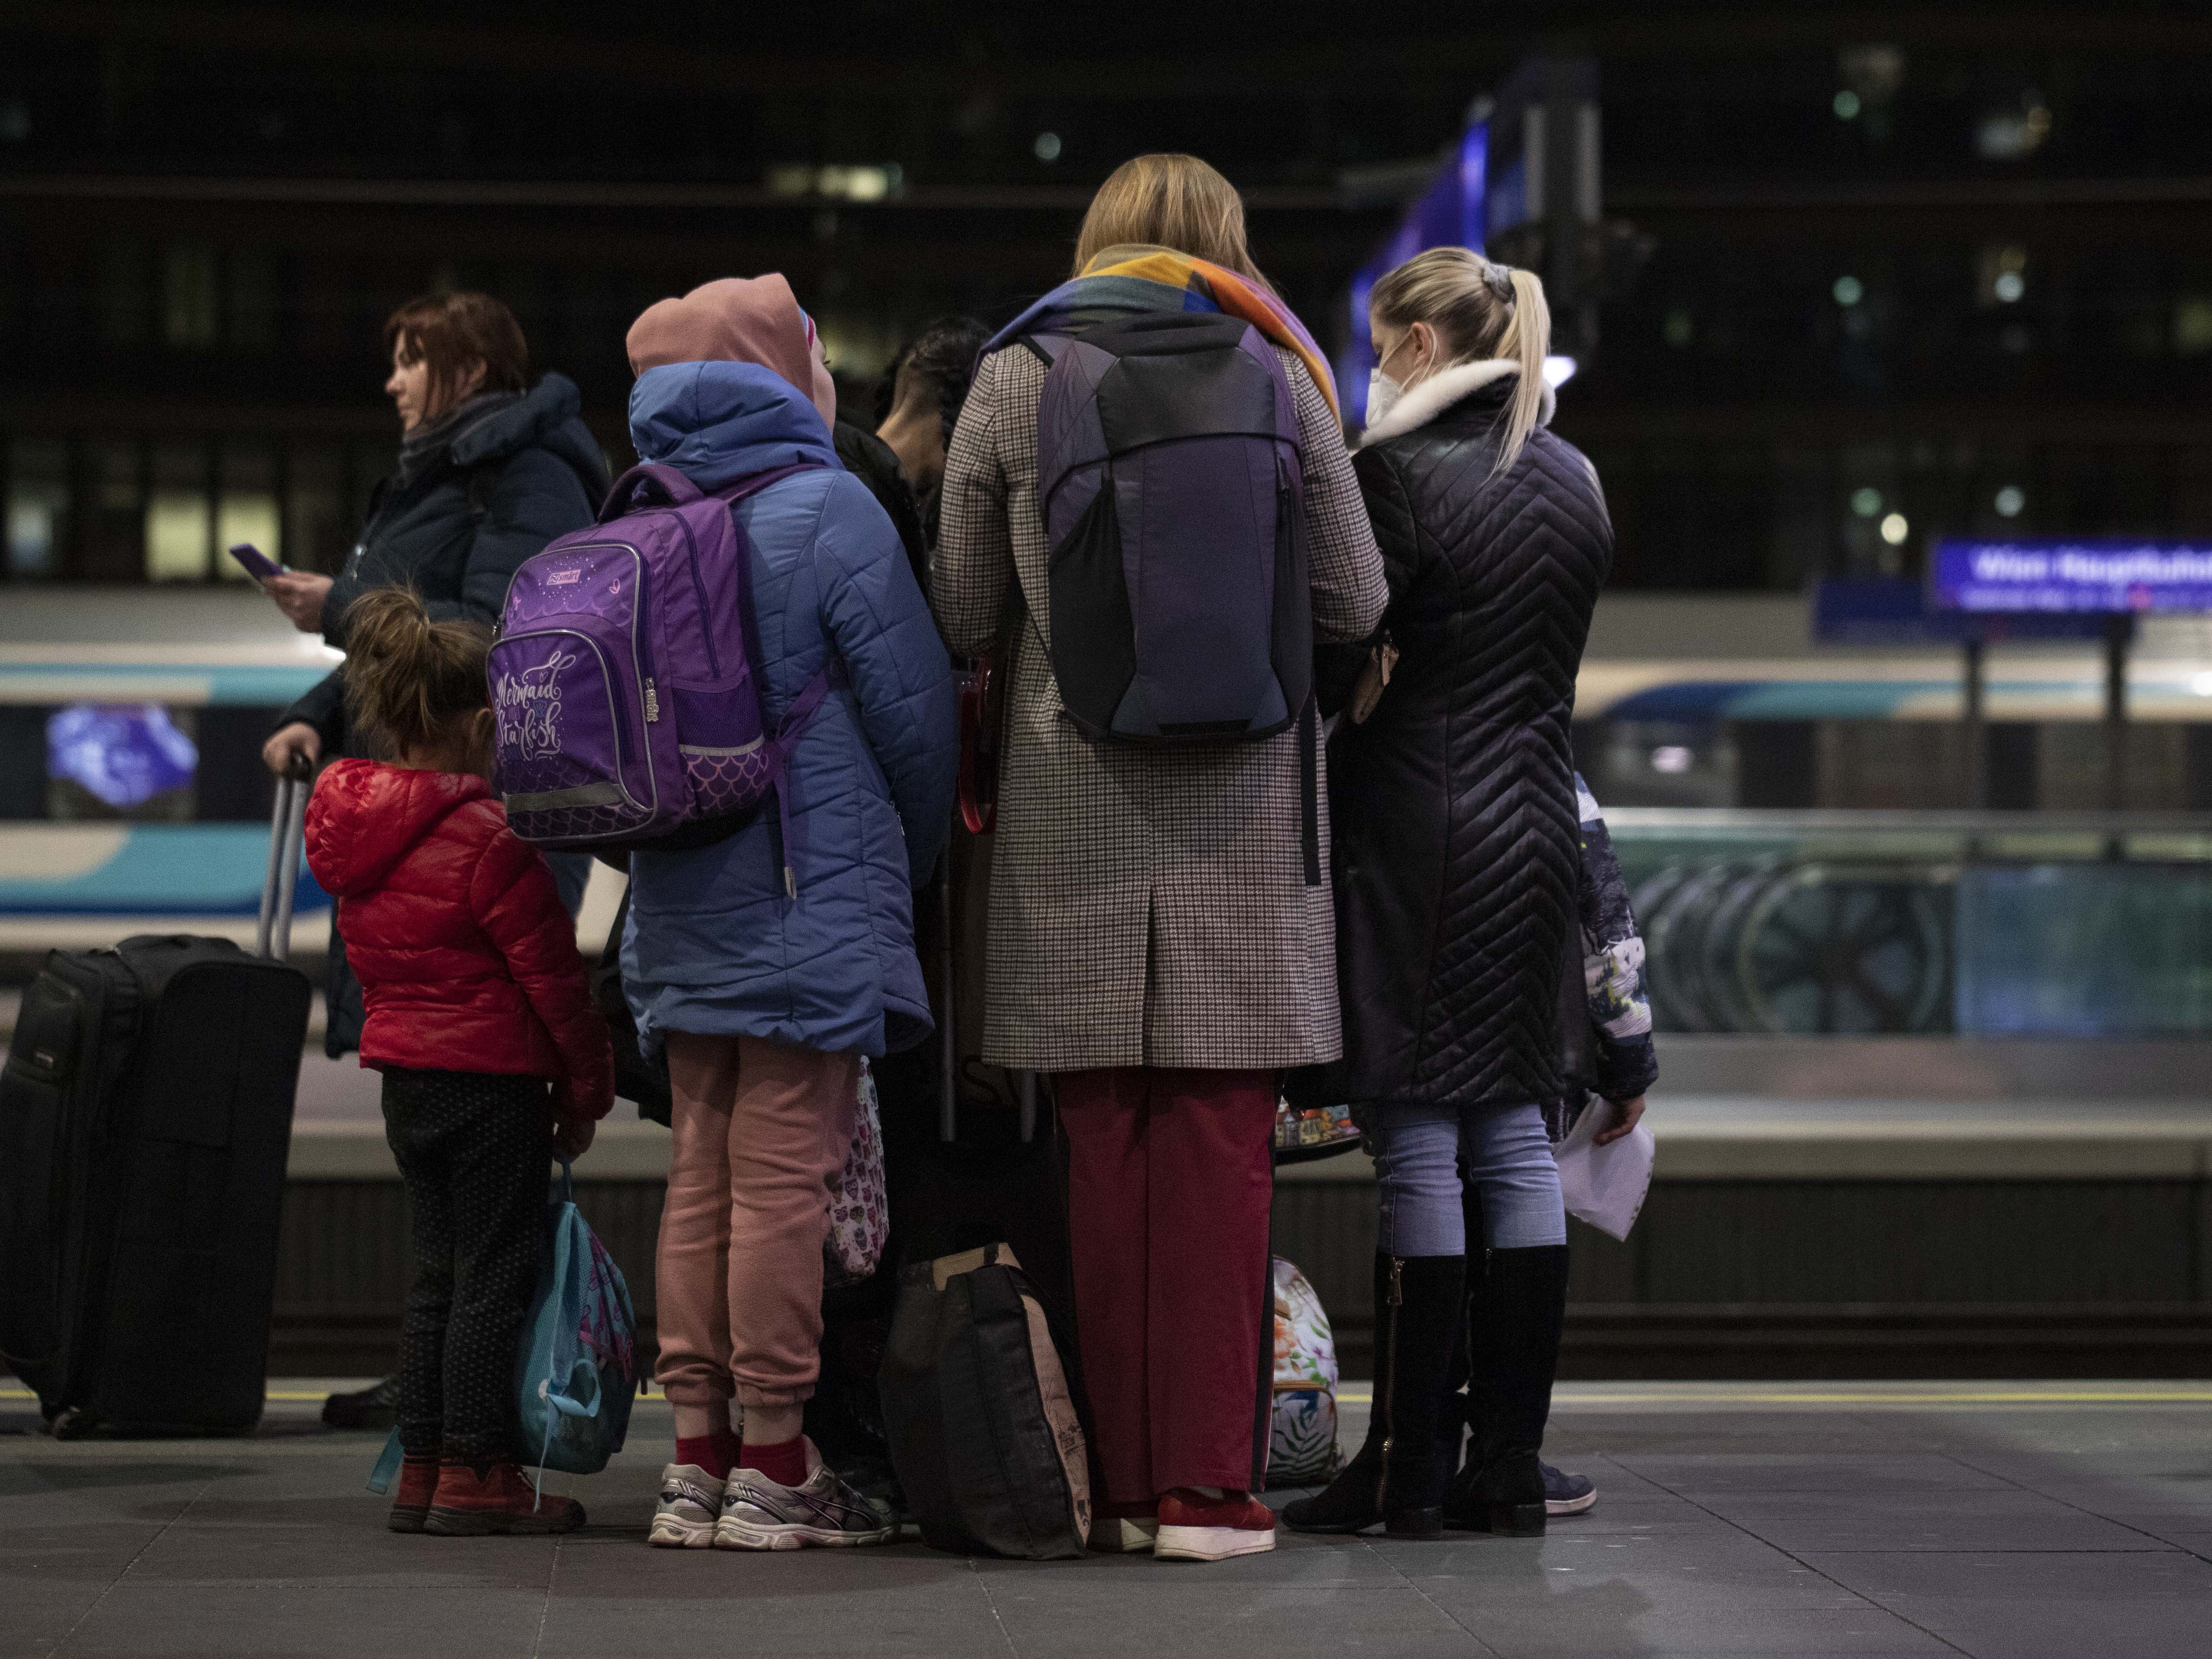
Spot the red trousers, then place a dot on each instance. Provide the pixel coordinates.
(1169, 1174)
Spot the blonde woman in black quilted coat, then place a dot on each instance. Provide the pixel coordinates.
(1455, 866)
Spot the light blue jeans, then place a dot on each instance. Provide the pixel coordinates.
(1417, 1150)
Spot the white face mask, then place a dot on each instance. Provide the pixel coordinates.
(1383, 390)
(1382, 394)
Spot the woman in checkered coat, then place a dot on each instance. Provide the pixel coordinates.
(1155, 943)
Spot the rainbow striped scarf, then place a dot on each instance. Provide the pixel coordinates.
(1123, 281)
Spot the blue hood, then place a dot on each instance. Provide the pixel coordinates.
(718, 423)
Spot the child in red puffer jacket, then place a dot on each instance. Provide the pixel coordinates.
(493, 1055)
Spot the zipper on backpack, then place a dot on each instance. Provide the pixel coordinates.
(1390, 1394)
(652, 703)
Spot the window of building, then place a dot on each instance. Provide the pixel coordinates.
(178, 540)
(38, 496)
(1873, 493)
(246, 507)
(114, 546)
(190, 300)
(2192, 325)
(122, 292)
(315, 510)
(13, 284)
(254, 301)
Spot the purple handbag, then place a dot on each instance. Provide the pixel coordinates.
(626, 676)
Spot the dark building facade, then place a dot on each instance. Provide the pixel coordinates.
(1945, 270)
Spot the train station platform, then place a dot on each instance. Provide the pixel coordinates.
(1828, 1208)
(2003, 1521)
(1822, 1208)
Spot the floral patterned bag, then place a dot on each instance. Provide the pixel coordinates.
(859, 1216)
(1302, 1438)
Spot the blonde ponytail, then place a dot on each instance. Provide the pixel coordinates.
(1479, 310)
(412, 682)
(1527, 341)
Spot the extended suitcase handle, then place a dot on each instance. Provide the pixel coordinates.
(287, 834)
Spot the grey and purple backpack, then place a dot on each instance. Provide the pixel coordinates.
(1171, 476)
(625, 677)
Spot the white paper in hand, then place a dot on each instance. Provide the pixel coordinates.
(1605, 1185)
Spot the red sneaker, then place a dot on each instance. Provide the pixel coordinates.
(1196, 1528)
(418, 1479)
(502, 1500)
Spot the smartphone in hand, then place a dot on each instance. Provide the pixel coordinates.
(257, 563)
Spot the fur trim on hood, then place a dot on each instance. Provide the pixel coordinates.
(1417, 407)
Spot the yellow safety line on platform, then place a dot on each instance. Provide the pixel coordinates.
(288, 1395)
(273, 1393)
(2010, 1397)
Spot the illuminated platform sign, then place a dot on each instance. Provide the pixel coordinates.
(2106, 577)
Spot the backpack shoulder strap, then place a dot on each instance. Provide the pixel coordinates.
(1047, 348)
(748, 621)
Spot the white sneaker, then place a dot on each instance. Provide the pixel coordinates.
(690, 1500)
(759, 1514)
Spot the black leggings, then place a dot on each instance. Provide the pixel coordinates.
(475, 1150)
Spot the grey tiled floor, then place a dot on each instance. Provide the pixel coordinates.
(1757, 1520)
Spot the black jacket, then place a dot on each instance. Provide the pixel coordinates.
(1452, 807)
(871, 460)
(504, 486)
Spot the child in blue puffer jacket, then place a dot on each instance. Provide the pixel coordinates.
(764, 997)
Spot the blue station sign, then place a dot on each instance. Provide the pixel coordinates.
(2106, 576)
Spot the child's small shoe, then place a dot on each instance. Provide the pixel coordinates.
(499, 1498)
(690, 1503)
(418, 1479)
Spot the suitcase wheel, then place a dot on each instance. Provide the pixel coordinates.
(70, 1424)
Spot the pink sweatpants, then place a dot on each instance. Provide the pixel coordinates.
(761, 1130)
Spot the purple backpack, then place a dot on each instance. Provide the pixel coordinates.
(626, 676)
(1172, 478)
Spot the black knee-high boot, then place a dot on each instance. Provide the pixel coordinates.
(1456, 1413)
(1454, 1416)
(1513, 1318)
(1395, 1478)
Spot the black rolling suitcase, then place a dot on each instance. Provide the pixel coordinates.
(145, 1120)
